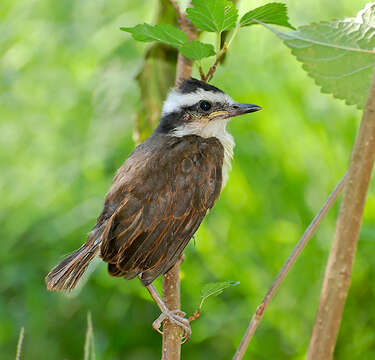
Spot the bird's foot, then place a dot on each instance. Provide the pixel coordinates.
(176, 317)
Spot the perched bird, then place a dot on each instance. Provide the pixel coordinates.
(160, 195)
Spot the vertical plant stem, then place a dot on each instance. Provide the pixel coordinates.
(89, 351)
(305, 238)
(184, 65)
(171, 332)
(155, 77)
(339, 267)
(19, 344)
(171, 349)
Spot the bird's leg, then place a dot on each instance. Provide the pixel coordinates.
(175, 316)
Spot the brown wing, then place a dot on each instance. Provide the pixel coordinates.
(162, 206)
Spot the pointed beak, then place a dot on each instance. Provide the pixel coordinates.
(235, 109)
(240, 109)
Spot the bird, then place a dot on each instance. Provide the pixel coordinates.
(161, 194)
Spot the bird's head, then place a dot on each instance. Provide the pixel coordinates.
(196, 107)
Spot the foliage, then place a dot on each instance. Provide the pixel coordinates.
(197, 50)
(170, 35)
(68, 100)
(212, 16)
(272, 13)
(339, 54)
(165, 33)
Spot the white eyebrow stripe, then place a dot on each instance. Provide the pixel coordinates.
(175, 100)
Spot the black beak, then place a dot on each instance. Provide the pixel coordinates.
(240, 109)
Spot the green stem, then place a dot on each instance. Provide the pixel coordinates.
(218, 43)
(233, 35)
(219, 53)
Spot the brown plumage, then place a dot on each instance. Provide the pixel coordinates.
(161, 194)
(162, 205)
(153, 208)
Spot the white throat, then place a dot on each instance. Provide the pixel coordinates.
(214, 128)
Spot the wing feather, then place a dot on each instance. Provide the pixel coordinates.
(162, 207)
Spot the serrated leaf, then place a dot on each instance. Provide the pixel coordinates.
(272, 13)
(164, 33)
(196, 50)
(213, 15)
(339, 55)
(214, 289)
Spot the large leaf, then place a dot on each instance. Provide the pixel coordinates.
(164, 33)
(272, 13)
(170, 35)
(339, 55)
(213, 15)
(196, 50)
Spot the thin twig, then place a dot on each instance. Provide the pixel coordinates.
(184, 65)
(337, 277)
(220, 53)
(201, 72)
(176, 7)
(235, 32)
(212, 69)
(20, 342)
(195, 316)
(307, 235)
(89, 352)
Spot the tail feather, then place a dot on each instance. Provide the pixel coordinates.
(66, 275)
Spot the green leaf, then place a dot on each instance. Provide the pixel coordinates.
(196, 50)
(339, 55)
(272, 13)
(214, 289)
(164, 33)
(168, 34)
(213, 15)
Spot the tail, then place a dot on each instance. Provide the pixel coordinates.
(66, 275)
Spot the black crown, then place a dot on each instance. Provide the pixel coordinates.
(192, 85)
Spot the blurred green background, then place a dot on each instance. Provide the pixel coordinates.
(68, 101)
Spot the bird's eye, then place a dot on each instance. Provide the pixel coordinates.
(205, 105)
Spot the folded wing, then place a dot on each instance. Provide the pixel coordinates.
(162, 205)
